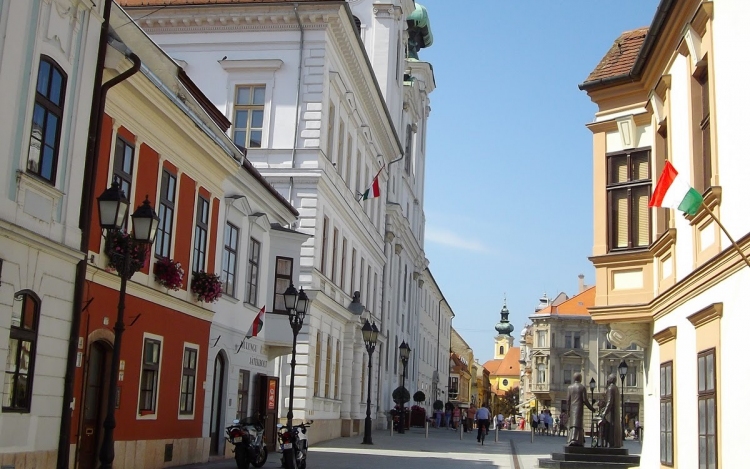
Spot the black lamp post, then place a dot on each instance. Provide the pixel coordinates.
(296, 305)
(113, 208)
(370, 336)
(404, 350)
(592, 386)
(623, 370)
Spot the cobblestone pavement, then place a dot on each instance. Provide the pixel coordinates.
(443, 449)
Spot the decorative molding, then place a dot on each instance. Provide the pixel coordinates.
(663, 243)
(664, 336)
(398, 248)
(707, 314)
(253, 65)
(622, 334)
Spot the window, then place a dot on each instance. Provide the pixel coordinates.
(354, 268)
(408, 150)
(253, 269)
(323, 246)
(342, 280)
(187, 387)
(363, 293)
(628, 190)
(46, 121)
(341, 155)
(608, 345)
(163, 243)
(243, 393)
(329, 352)
(248, 116)
(631, 379)
(335, 259)
(703, 165)
(453, 388)
(122, 172)
(541, 373)
(406, 273)
(149, 375)
(370, 298)
(229, 259)
(541, 338)
(316, 380)
(337, 371)
(572, 340)
(666, 434)
(201, 235)
(707, 441)
(282, 280)
(331, 121)
(19, 365)
(568, 371)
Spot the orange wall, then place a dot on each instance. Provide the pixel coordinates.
(100, 183)
(175, 328)
(184, 225)
(148, 172)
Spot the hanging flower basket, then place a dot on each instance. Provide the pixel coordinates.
(207, 287)
(169, 273)
(116, 243)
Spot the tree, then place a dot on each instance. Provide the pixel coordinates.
(419, 397)
(401, 395)
(508, 403)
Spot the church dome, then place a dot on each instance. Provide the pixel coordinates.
(504, 327)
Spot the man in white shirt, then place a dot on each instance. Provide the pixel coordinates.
(499, 420)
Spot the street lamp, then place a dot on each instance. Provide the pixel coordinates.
(297, 305)
(370, 336)
(113, 208)
(592, 386)
(403, 350)
(623, 370)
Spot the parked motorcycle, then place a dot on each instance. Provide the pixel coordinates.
(249, 439)
(293, 445)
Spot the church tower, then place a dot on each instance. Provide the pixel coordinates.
(503, 340)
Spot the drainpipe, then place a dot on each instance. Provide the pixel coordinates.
(437, 353)
(84, 223)
(297, 99)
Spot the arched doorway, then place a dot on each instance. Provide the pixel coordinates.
(217, 405)
(94, 404)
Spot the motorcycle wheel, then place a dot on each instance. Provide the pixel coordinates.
(241, 457)
(287, 459)
(260, 458)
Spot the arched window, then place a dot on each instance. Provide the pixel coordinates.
(46, 120)
(502, 350)
(19, 371)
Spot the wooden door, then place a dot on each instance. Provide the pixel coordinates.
(265, 404)
(217, 407)
(94, 407)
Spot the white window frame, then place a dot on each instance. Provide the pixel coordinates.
(197, 348)
(155, 414)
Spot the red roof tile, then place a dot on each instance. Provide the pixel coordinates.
(621, 57)
(507, 366)
(575, 306)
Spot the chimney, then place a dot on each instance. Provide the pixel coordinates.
(581, 285)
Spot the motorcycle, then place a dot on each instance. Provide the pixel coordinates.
(249, 439)
(293, 445)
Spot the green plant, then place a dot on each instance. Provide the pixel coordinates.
(401, 395)
(419, 396)
(207, 287)
(437, 405)
(169, 273)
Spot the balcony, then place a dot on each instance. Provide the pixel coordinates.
(278, 334)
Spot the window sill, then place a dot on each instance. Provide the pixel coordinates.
(229, 298)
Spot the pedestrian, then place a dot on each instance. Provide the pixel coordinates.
(522, 423)
(534, 422)
(470, 416)
(456, 418)
(563, 423)
(499, 419)
(438, 418)
(483, 421)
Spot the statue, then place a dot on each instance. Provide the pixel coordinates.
(576, 400)
(611, 414)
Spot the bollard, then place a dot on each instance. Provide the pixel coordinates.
(461, 431)
(427, 429)
(391, 427)
(497, 428)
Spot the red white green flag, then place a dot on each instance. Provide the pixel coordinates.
(374, 189)
(674, 191)
(257, 324)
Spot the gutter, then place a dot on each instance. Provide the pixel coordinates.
(654, 30)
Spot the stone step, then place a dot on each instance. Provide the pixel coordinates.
(547, 463)
(621, 458)
(589, 450)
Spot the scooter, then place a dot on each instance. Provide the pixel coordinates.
(293, 445)
(249, 439)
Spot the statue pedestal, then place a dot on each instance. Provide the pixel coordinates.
(582, 457)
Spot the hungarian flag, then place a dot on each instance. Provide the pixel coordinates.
(374, 189)
(674, 191)
(257, 324)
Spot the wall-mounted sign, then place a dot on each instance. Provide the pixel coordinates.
(272, 394)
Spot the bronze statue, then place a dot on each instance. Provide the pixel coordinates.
(611, 414)
(577, 398)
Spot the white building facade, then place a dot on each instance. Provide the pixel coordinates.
(48, 56)
(318, 95)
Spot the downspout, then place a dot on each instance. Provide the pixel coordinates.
(437, 353)
(296, 105)
(98, 103)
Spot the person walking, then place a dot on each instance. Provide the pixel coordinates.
(499, 420)
(483, 421)
(456, 417)
(470, 416)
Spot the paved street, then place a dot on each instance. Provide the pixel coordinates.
(442, 450)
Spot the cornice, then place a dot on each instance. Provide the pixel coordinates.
(664, 336)
(638, 257)
(663, 243)
(707, 314)
(610, 125)
(226, 18)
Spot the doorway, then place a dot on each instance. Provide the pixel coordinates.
(217, 405)
(95, 404)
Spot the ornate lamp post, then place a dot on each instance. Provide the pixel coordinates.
(592, 386)
(623, 370)
(297, 305)
(370, 335)
(404, 350)
(113, 208)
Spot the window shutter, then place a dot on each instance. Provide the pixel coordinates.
(641, 215)
(640, 166)
(620, 219)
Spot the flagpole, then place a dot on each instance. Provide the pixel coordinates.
(736, 246)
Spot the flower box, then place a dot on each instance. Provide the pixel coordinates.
(169, 273)
(207, 287)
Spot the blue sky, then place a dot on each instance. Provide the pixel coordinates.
(508, 194)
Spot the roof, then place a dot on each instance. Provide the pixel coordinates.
(621, 57)
(577, 305)
(508, 366)
(143, 3)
